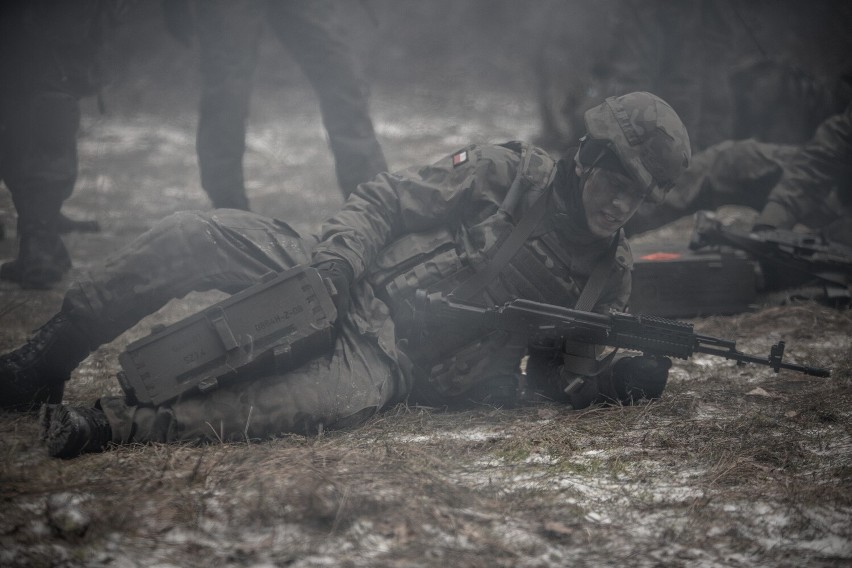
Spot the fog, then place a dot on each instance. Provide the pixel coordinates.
(559, 55)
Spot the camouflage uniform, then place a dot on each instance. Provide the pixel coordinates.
(427, 227)
(228, 33)
(734, 172)
(791, 184)
(816, 188)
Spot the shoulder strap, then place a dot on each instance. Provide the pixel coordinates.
(516, 238)
(518, 187)
(597, 279)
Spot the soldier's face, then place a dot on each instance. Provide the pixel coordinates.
(610, 199)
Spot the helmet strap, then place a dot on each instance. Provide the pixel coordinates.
(583, 153)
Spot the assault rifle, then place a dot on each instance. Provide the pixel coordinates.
(544, 323)
(807, 255)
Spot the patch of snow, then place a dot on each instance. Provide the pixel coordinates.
(597, 518)
(470, 435)
(539, 458)
(709, 361)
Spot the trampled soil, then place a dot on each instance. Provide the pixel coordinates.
(734, 466)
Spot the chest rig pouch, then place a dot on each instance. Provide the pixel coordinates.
(454, 361)
(433, 260)
(415, 261)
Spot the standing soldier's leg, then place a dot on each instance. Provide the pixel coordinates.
(40, 171)
(48, 60)
(228, 33)
(312, 33)
(191, 251)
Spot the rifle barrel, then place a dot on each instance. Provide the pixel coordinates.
(649, 334)
(774, 363)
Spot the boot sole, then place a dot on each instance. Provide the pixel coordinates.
(62, 431)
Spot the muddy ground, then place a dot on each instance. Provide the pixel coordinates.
(734, 466)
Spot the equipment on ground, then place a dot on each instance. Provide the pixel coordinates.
(674, 282)
(788, 259)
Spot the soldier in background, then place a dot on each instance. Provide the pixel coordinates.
(807, 184)
(48, 61)
(228, 34)
(440, 227)
(816, 188)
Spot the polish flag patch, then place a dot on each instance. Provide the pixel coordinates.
(460, 158)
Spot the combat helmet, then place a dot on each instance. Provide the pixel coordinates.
(647, 136)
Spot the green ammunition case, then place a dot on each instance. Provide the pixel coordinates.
(273, 326)
(673, 281)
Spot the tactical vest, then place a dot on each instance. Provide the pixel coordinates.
(454, 361)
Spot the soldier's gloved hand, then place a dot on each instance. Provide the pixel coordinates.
(644, 376)
(341, 275)
(762, 227)
(774, 216)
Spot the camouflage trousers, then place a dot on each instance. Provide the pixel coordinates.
(229, 250)
(48, 62)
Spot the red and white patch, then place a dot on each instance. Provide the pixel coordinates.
(460, 158)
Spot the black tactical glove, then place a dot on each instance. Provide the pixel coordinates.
(774, 216)
(635, 378)
(341, 276)
(760, 228)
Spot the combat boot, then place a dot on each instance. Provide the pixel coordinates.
(70, 431)
(42, 260)
(36, 372)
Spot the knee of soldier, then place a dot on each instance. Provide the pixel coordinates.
(185, 222)
(192, 229)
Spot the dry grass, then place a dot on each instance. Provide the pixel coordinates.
(734, 466)
(717, 472)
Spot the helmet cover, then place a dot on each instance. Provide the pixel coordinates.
(648, 137)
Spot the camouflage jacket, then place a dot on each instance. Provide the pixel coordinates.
(817, 184)
(432, 226)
